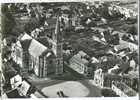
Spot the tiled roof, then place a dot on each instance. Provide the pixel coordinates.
(113, 76)
(14, 94)
(44, 41)
(51, 22)
(81, 53)
(124, 88)
(36, 48)
(80, 57)
(132, 75)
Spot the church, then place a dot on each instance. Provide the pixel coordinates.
(43, 58)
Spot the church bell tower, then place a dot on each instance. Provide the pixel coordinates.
(57, 47)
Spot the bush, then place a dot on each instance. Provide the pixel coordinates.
(108, 93)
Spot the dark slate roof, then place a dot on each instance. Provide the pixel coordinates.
(51, 22)
(25, 44)
(44, 41)
(80, 58)
(14, 94)
(113, 76)
(123, 87)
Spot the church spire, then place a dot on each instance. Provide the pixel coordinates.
(57, 47)
(57, 36)
(57, 27)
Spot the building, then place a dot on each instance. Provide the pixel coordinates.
(131, 79)
(16, 81)
(98, 77)
(103, 79)
(13, 94)
(42, 59)
(20, 51)
(79, 62)
(24, 88)
(122, 89)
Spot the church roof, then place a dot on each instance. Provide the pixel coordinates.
(44, 41)
(36, 48)
(25, 36)
(14, 94)
(25, 44)
(24, 41)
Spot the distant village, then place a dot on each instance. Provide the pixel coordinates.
(96, 41)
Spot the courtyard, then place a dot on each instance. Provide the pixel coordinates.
(69, 88)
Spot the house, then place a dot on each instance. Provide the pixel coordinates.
(131, 79)
(24, 88)
(8, 72)
(14, 94)
(79, 62)
(124, 44)
(16, 81)
(103, 79)
(122, 89)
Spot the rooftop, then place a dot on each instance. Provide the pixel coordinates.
(44, 41)
(124, 88)
(14, 94)
(80, 57)
(36, 48)
(25, 44)
(25, 36)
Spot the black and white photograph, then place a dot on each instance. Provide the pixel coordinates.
(69, 49)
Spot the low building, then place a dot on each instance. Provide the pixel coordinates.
(122, 89)
(16, 81)
(131, 79)
(13, 94)
(98, 77)
(103, 79)
(124, 44)
(24, 88)
(79, 62)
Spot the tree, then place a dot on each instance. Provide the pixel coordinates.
(108, 93)
(31, 25)
(7, 21)
(132, 30)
